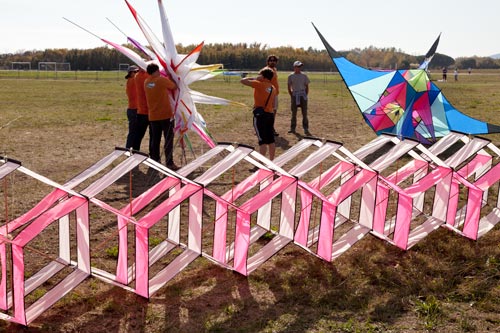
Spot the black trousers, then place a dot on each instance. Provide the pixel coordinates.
(166, 128)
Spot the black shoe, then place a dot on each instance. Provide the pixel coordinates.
(291, 131)
(307, 133)
(173, 167)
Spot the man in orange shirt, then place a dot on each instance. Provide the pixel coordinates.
(132, 107)
(264, 94)
(161, 115)
(272, 62)
(142, 110)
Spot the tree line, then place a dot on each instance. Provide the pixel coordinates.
(250, 57)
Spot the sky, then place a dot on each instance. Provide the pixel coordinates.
(410, 26)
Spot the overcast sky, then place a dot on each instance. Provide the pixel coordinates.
(411, 26)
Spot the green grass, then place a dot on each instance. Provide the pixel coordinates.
(445, 283)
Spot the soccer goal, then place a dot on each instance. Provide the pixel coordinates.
(20, 65)
(123, 67)
(54, 66)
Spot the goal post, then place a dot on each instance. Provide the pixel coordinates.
(54, 66)
(123, 67)
(63, 66)
(20, 65)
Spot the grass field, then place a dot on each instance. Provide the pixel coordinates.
(57, 127)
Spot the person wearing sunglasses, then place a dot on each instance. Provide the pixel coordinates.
(272, 62)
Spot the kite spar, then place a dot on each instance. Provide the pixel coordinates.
(404, 102)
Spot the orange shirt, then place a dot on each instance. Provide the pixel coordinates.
(142, 104)
(157, 94)
(261, 90)
(274, 81)
(131, 93)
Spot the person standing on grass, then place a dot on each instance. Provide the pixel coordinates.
(161, 115)
(272, 62)
(132, 107)
(264, 94)
(445, 74)
(298, 88)
(142, 110)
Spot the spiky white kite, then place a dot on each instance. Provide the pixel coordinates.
(182, 68)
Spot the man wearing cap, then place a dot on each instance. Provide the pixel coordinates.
(298, 88)
(131, 92)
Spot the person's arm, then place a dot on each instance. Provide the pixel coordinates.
(247, 81)
(289, 87)
(169, 83)
(307, 88)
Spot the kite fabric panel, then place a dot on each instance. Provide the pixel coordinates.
(404, 102)
(182, 68)
(245, 230)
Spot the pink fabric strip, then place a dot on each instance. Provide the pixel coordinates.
(152, 193)
(333, 173)
(473, 213)
(488, 179)
(351, 186)
(137, 204)
(141, 261)
(39, 208)
(166, 206)
(268, 193)
(41, 222)
(247, 184)
(326, 230)
(453, 202)
(3, 279)
(428, 181)
(241, 242)
(407, 171)
(380, 213)
(18, 284)
(305, 214)
(403, 219)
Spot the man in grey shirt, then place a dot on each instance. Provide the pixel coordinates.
(298, 88)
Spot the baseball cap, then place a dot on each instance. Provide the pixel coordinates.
(133, 68)
(297, 64)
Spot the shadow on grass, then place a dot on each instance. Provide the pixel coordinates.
(372, 286)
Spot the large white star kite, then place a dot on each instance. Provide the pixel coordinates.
(182, 68)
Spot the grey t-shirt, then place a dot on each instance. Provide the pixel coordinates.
(298, 82)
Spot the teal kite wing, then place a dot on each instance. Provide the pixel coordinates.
(404, 102)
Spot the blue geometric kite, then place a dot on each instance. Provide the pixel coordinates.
(404, 102)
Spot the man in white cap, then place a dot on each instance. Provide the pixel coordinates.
(298, 88)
